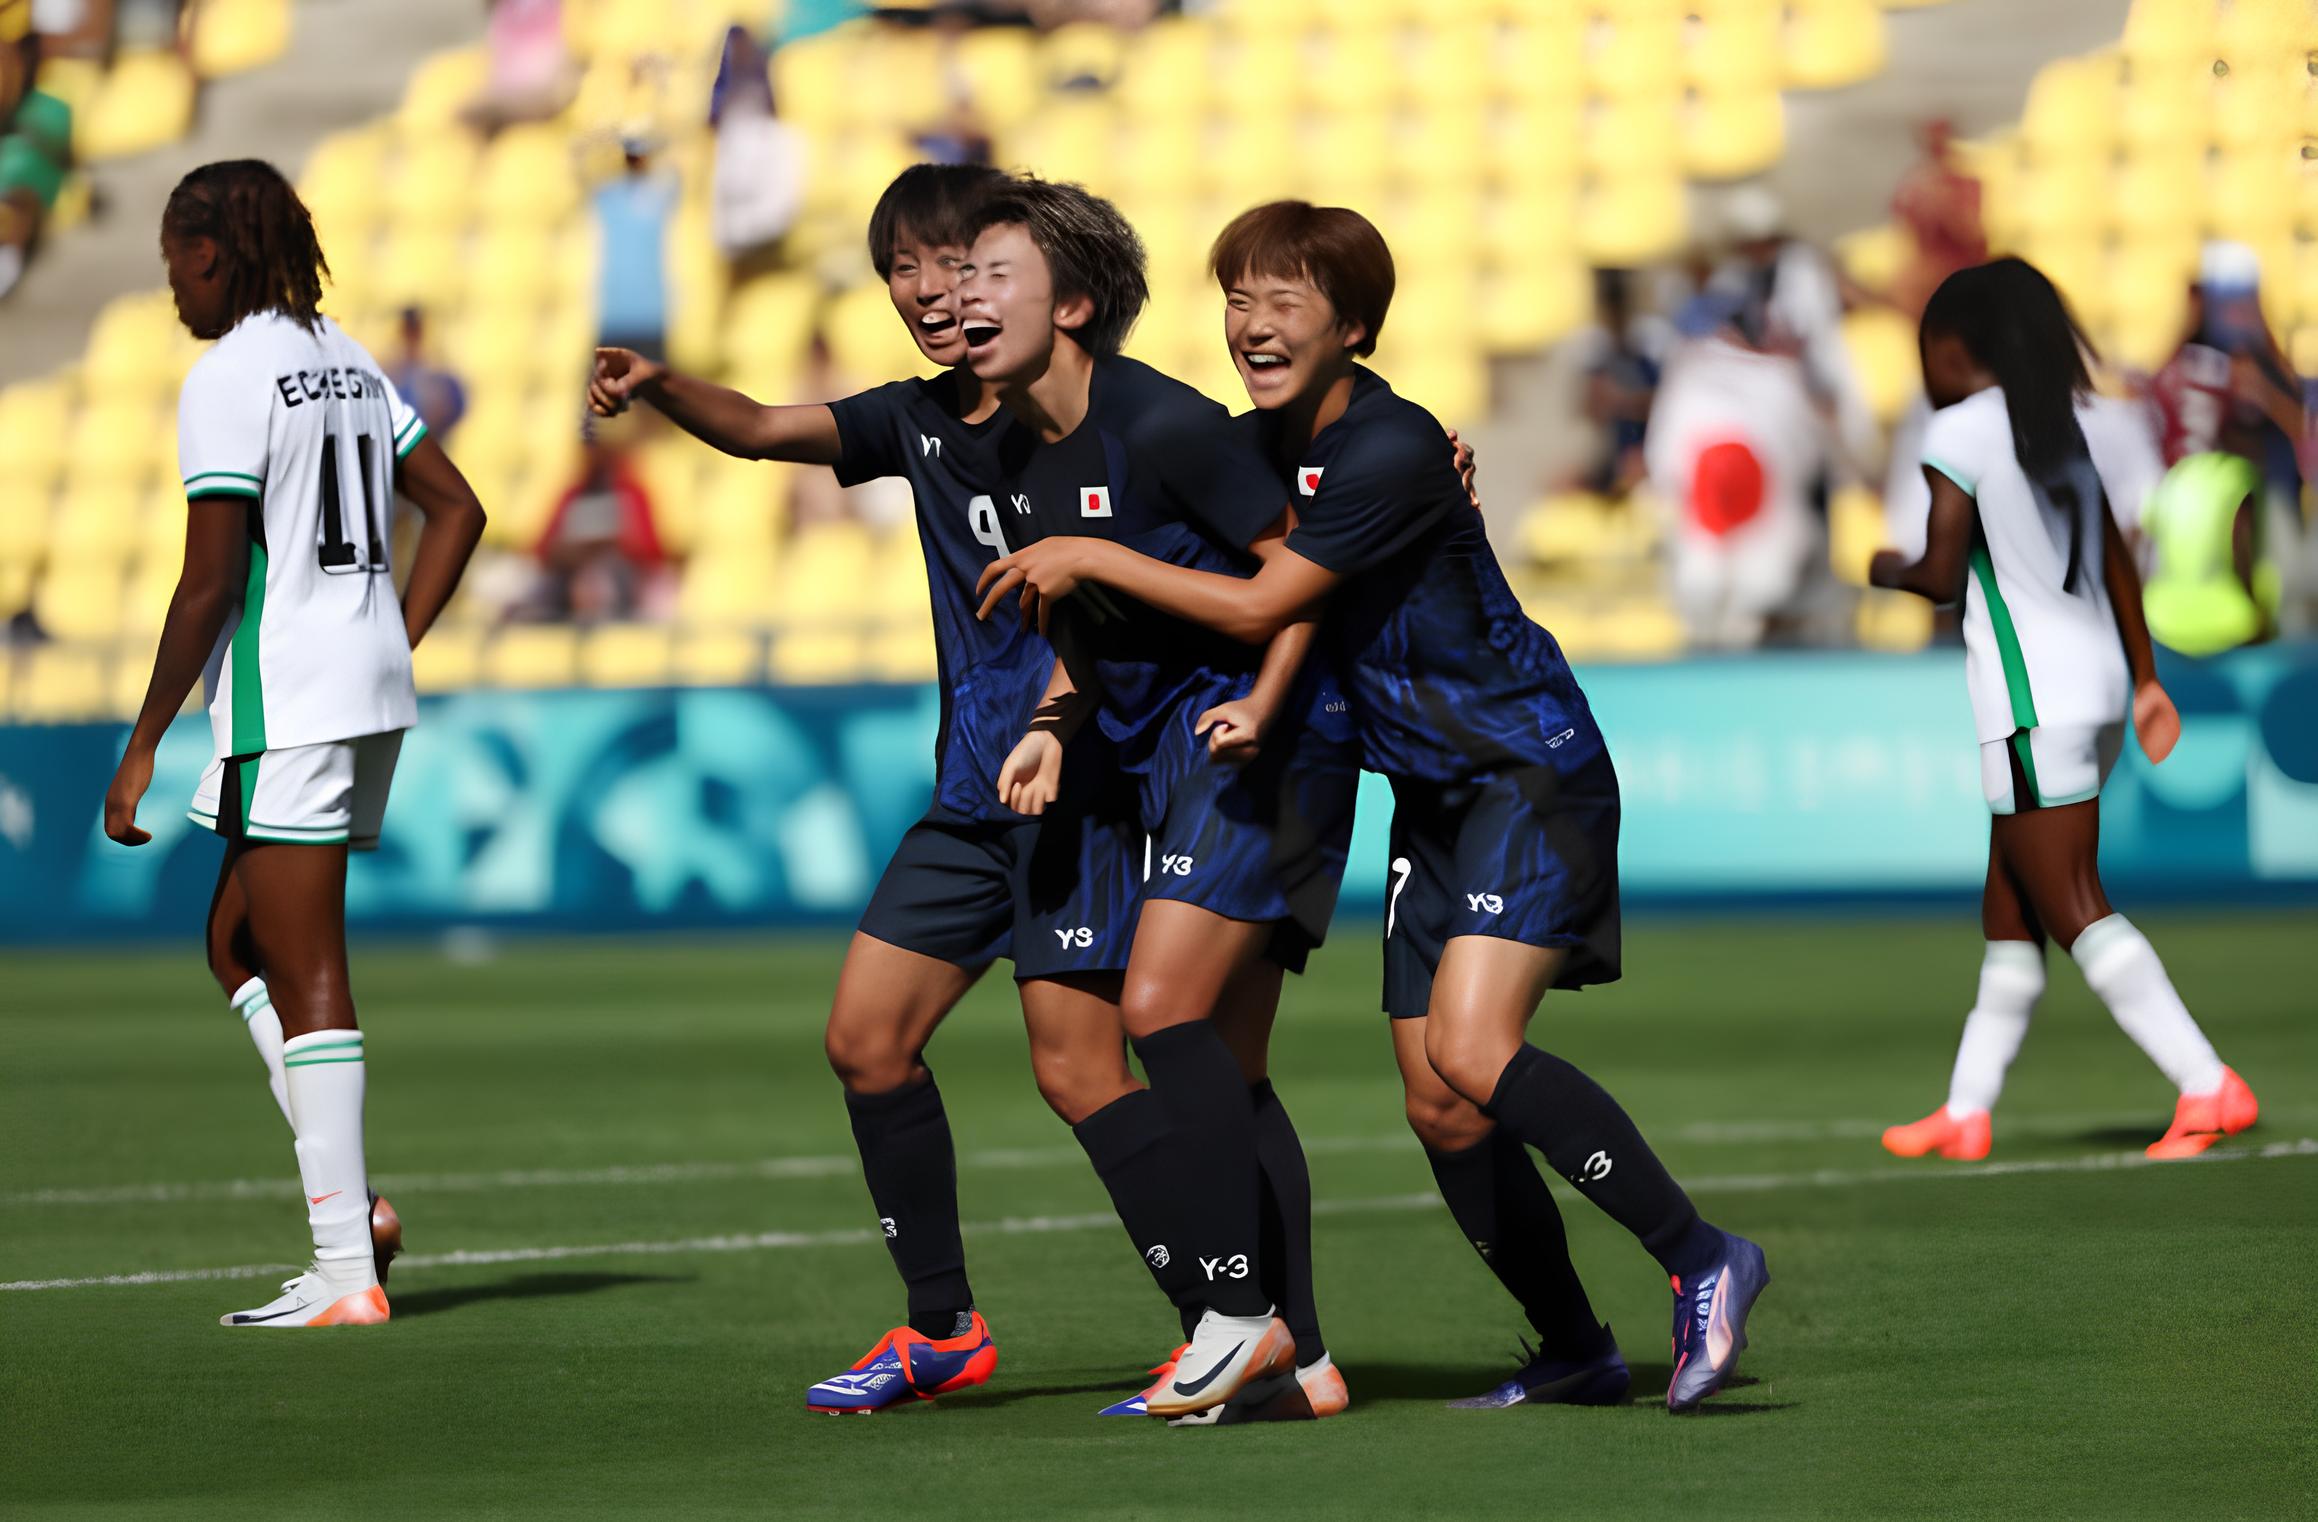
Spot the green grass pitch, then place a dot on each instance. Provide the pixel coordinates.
(2061, 1334)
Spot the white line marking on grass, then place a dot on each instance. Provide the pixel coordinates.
(283, 1187)
(773, 1241)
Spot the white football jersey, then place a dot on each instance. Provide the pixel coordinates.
(304, 427)
(2040, 640)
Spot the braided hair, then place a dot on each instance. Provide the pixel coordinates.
(264, 235)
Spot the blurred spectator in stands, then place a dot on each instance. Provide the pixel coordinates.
(759, 181)
(1798, 291)
(2230, 390)
(433, 392)
(601, 553)
(632, 212)
(1623, 352)
(1736, 440)
(530, 75)
(1939, 206)
(35, 144)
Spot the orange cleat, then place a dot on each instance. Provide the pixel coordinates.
(369, 1308)
(906, 1364)
(1965, 1140)
(2200, 1120)
(1160, 1372)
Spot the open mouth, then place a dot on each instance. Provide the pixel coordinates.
(1261, 361)
(937, 324)
(980, 333)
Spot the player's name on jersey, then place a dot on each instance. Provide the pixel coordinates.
(346, 382)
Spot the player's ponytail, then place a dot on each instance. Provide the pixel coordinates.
(264, 235)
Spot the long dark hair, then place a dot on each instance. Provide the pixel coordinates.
(2010, 318)
(263, 232)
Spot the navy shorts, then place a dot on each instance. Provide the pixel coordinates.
(1260, 842)
(1057, 895)
(1528, 856)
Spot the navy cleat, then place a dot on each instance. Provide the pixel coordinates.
(1544, 1380)
(1710, 1321)
(908, 1365)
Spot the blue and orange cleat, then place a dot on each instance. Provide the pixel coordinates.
(1710, 1321)
(1133, 1404)
(1546, 1380)
(908, 1365)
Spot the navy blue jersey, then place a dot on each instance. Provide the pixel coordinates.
(1449, 679)
(992, 674)
(1161, 469)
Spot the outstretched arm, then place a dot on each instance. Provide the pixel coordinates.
(453, 527)
(2155, 720)
(217, 542)
(1286, 588)
(718, 416)
(1938, 575)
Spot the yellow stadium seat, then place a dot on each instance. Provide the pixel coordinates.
(1874, 256)
(821, 576)
(815, 657)
(34, 419)
(2166, 107)
(1345, 68)
(1735, 52)
(1070, 139)
(120, 441)
(1540, 56)
(1452, 387)
(146, 101)
(728, 589)
(529, 177)
(1635, 53)
(1344, 156)
(16, 578)
(773, 315)
(1255, 73)
(1731, 136)
(1166, 71)
(1443, 145)
(812, 77)
(720, 658)
(1537, 140)
(999, 68)
(96, 524)
(2159, 192)
(133, 347)
(2072, 107)
(441, 88)
(1533, 223)
(1833, 42)
(2075, 262)
(1640, 629)
(59, 684)
(865, 337)
(2065, 196)
(449, 659)
(2153, 275)
(1441, 59)
(2253, 194)
(1530, 308)
(627, 655)
(145, 603)
(344, 178)
(532, 655)
(2260, 106)
(1895, 621)
(1631, 221)
(79, 602)
(899, 79)
(423, 266)
(2267, 29)
(1884, 357)
(432, 183)
(2166, 31)
(899, 655)
(25, 526)
(233, 36)
(1636, 135)
(1158, 156)
(75, 81)
(1080, 53)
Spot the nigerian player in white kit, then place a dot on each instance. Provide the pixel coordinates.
(2057, 654)
(292, 446)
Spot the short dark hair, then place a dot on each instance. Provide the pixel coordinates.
(1336, 248)
(264, 234)
(1090, 248)
(931, 203)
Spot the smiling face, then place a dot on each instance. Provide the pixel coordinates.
(197, 283)
(924, 287)
(1286, 338)
(1007, 306)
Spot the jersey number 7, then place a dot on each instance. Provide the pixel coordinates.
(341, 555)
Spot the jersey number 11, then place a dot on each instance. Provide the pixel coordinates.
(341, 555)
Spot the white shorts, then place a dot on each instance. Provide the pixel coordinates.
(329, 794)
(2057, 763)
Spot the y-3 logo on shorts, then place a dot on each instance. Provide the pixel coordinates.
(891, 1230)
(1081, 936)
(1156, 1253)
(1233, 1267)
(1484, 901)
(1596, 1169)
(1175, 866)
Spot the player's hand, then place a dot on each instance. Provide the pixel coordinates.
(128, 790)
(1235, 730)
(620, 374)
(1883, 568)
(1462, 454)
(2155, 720)
(1043, 574)
(1032, 776)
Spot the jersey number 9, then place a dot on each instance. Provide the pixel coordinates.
(340, 555)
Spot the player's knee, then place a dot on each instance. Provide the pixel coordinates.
(1463, 1061)
(1074, 1088)
(868, 1057)
(1145, 1005)
(1445, 1122)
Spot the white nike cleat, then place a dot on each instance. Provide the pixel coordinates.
(319, 1297)
(1226, 1354)
(1315, 1390)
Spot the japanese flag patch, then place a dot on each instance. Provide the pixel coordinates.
(1094, 502)
(1308, 479)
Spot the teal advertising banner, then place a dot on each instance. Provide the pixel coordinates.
(1756, 779)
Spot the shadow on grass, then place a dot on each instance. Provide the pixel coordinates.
(2123, 1138)
(1101, 1391)
(428, 1302)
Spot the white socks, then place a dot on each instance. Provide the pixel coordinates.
(2011, 979)
(2122, 968)
(256, 1008)
(324, 1073)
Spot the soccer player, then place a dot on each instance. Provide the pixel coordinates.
(1246, 853)
(975, 879)
(1504, 834)
(292, 446)
(2056, 654)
